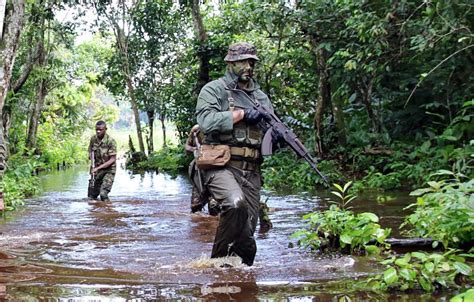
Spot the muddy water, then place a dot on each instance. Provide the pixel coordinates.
(146, 245)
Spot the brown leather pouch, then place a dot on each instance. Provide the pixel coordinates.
(212, 156)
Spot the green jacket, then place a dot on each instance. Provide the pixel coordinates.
(212, 109)
(103, 150)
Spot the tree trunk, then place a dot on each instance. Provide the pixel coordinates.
(26, 69)
(123, 47)
(151, 120)
(136, 113)
(11, 16)
(324, 97)
(203, 53)
(11, 23)
(337, 105)
(31, 139)
(366, 91)
(163, 129)
(41, 92)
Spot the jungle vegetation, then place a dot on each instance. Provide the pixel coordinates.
(380, 91)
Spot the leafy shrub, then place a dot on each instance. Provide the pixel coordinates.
(19, 181)
(171, 160)
(421, 270)
(340, 228)
(285, 172)
(444, 211)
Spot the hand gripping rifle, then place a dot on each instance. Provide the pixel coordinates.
(283, 131)
(287, 134)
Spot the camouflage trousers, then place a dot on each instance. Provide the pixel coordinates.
(238, 193)
(104, 179)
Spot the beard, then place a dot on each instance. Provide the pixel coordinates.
(245, 75)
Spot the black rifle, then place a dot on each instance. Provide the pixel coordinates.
(287, 135)
(283, 131)
(92, 168)
(196, 155)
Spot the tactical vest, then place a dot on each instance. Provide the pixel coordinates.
(242, 135)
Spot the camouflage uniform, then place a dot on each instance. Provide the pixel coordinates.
(104, 178)
(237, 186)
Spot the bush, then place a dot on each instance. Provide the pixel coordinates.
(287, 173)
(444, 211)
(341, 229)
(19, 181)
(171, 160)
(420, 270)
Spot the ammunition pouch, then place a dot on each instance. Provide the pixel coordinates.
(212, 156)
(245, 152)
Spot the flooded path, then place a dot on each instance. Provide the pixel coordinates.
(146, 245)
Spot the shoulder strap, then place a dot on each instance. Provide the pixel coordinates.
(229, 95)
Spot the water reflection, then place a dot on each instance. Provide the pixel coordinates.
(146, 245)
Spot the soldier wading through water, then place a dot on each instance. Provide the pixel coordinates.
(102, 153)
(229, 123)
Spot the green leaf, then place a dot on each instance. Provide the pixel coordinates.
(370, 216)
(464, 297)
(390, 276)
(420, 256)
(372, 249)
(337, 194)
(429, 266)
(420, 192)
(407, 274)
(401, 262)
(338, 187)
(425, 284)
(346, 238)
(463, 268)
(346, 186)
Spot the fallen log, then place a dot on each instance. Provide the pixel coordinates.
(410, 242)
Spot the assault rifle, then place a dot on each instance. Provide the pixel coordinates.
(283, 131)
(196, 155)
(287, 134)
(92, 168)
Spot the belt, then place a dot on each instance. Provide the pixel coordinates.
(245, 152)
(244, 165)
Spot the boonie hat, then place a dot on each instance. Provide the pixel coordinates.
(241, 51)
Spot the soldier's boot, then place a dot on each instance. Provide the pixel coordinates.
(196, 202)
(265, 222)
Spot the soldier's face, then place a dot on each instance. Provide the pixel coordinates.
(243, 69)
(100, 131)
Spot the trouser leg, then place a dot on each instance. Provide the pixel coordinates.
(239, 194)
(106, 185)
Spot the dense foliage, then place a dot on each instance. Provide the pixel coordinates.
(444, 211)
(339, 228)
(418, 270)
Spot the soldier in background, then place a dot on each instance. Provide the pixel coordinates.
(103, 154)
